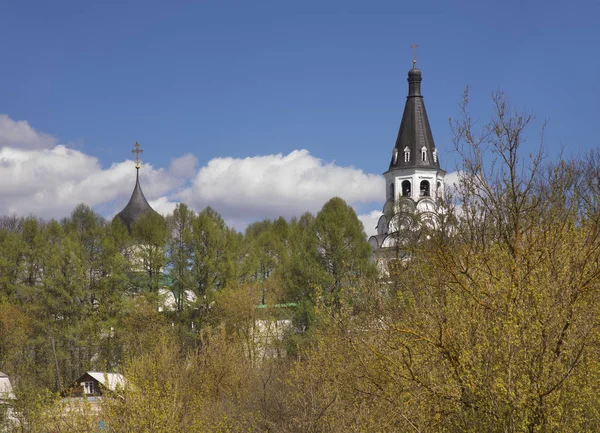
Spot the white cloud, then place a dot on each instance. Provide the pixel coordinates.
(47, 179)
(163, 205)
(369, 221)
(451, 180)
(184, 166)
(20, 135)
(272, 185)
(51, 182)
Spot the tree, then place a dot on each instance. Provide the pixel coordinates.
(180, 251)
(149, 235)
(169, 391)
(213, 252)
(87, 228)
(268, 252)
(340, 249)
(12, 252)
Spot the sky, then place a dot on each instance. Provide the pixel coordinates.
(268, 108)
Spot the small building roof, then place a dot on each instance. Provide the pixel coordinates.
(110, 381)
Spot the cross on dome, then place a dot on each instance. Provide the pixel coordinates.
(414, 48)
(137, 152)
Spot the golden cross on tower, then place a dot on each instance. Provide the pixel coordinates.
(137, 152)
(414, 47)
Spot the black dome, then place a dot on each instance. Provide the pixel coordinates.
(137, 206)
(414, 74)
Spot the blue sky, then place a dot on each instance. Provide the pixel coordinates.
(239, 79)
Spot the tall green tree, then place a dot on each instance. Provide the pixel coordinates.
(340, 249)
(180, 252)
(214, 247)
(268, 253)
(87, 227)
(149, 238)
(12, 261)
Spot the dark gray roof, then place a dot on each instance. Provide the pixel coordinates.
(137, 206)
(415, 132)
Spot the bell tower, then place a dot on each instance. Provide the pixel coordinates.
(414, 179)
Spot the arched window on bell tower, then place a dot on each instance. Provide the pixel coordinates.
(435, 154)
(406, 188)
(423, 154)
(425, 188)
(392, 192)
(406, 154)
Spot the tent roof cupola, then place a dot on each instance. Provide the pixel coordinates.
(414, 147)
(138, 205)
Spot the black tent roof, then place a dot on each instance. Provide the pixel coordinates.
(415, 132)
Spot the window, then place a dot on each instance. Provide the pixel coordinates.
(424, 188)
(406, 154)
(406, 188)
(395, 157)
(434, 154)
(423, 153)
(392, 191)
(88, 387)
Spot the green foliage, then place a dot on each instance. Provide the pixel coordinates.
(170, 391)
(180, 252)
(147, 252)
(81, 294)
(340, 249)
(268, 254)
(64, 289)
(213, 249)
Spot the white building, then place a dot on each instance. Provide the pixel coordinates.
(7, 397)
(6, 391)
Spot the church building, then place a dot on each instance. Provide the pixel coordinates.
(414, 179)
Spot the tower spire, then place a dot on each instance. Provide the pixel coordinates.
(414, 147)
